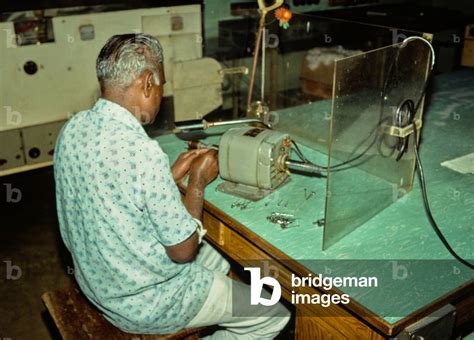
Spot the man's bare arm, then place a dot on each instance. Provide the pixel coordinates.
(203, 171)
(193, 201)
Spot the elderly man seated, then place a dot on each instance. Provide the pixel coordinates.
(135, 244)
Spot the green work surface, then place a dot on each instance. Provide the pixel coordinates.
(398, 245)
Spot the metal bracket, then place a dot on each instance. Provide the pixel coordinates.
(396, 131)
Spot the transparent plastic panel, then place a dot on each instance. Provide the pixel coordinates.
(372, 91)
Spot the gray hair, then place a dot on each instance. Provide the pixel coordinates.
(125, 57)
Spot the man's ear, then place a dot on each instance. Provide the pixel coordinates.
(148, 82)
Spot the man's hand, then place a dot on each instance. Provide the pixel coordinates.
(182, 165)
(203, 171)
(205, 167)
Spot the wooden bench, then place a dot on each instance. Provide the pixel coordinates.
(76, 318)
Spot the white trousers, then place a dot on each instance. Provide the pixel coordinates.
(220, 309)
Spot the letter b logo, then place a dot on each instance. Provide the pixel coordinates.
(256, 286)
(13, 271)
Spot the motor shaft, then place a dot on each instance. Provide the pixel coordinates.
(195, 144)
(303, 167)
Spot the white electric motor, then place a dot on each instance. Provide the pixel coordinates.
(252, 161)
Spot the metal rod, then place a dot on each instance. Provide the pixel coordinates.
(195, 144)
(236, 122)
(205, 124)
(264, 10)
(262, 90)
(261, 27)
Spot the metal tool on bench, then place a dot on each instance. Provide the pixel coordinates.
(254, 161)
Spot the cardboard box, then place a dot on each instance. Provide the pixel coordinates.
(468, 50)
(317, 70)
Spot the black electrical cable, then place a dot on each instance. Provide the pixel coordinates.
(402, 144)
(421, 176)
(300, 154)
(412, 109)
(426, 204)
(323, 168)
(410, 112)
(338, 166)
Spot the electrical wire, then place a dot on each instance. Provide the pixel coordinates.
(403, 143)
(421, 177)
(415, 37)
(324, 168)
(426, 204)
(299, 153)
(339, 166)
(411, 110)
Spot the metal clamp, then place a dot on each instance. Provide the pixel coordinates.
(396, 131)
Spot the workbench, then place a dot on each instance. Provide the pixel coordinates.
(399, 236)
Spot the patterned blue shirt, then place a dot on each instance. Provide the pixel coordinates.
(118, 207)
